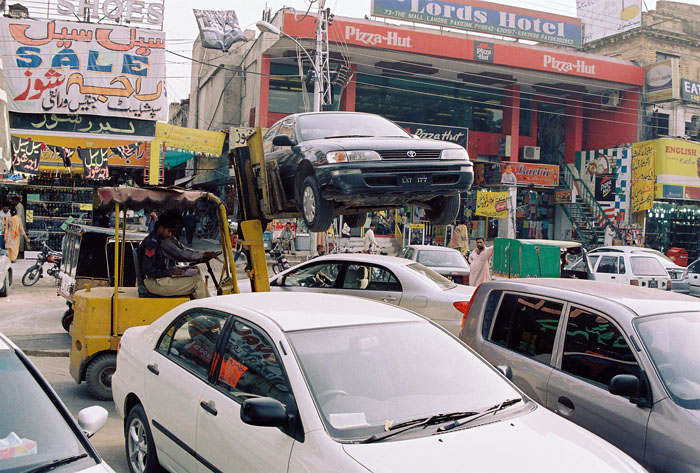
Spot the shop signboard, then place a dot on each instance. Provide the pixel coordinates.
(82, 124)
(677, 164)
(492, 204)
(690, 91)
(603, 18)
(521, 174)
(193, 139)
(25, 155)
(238, 135)
(605, 187)
(83, 69)
(453, 134)
(643, 177)
(661, 81)
(484, 17)
(134, 12)
(563, 197)
(95, 163)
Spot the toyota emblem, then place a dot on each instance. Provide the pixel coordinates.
(411, 154)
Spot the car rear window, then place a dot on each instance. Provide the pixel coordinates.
(646, 266)
(441, 259)
(441, 281)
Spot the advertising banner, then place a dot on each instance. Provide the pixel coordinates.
(82, 124)
(25, 155)
(453, 134)
(603, 18)
(142, 12)
(193, 139)
(605, 187)
(218, 29)
(643, 177)
(485, 17)
(661, 81)
(563, 197)
(95, 161)
(690, 91)
(83, 69)
(492, 204)
(677, 167)
(521, 174)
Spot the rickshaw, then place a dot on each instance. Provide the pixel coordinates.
(513, 258)
(88, 260)
(103, 313)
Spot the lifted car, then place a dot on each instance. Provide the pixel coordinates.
(324, 164)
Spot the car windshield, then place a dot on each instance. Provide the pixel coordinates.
(647, 266)
(32, 430)
(327, 125)
(442, 259)
(672, 343)
(364, 378)
(429, 275)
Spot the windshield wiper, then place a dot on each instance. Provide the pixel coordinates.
(422, 422)
(490, 410)
(350, 136)
(55, 463)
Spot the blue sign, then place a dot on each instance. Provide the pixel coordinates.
(474, 15)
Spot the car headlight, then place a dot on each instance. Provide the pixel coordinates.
(454, 153)
(347, 156)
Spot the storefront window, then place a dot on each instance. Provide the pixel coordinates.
(430, 102)
(674, 225)
(286, 95)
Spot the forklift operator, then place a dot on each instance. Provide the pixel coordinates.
(157, 278)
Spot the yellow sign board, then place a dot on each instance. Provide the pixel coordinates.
(85, 206)
(192, 139)
(492, 204)
(29, 216)
(417, 226)
(677, 161)
(643, 175)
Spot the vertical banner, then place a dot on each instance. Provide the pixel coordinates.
(492, 204)
(605, 188)
(95, 161)
(25, 155)
(643, 175)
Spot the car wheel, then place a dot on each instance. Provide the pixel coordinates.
(67, 319)
(3, 289)
(99, 376)
(317, 211)
(444, 209)
(355, 220)
(140, 448)
(31, 276)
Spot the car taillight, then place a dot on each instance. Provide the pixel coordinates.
(634, 282)
(468, 305)
(668, 285)
(461, 306)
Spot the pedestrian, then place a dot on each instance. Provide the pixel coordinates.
(345, 234)
(460, 238)
(189, 221)
(4, 216)
(479, 263)
(370, 243)
(286, 238)
(13, 230)
(609, 235)
(17, 204)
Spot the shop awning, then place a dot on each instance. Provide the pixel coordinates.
(137, 198)
(176, 157)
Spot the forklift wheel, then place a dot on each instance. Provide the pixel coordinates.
(99, 376)
(67, 319)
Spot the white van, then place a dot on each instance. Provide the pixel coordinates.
(630, 268)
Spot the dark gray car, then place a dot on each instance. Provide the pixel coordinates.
(621, 361)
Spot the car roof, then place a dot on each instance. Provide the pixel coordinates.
(303, 311)
(640, 300)
(431, 247)
(625, 249)
(618, 253)
(5, 343)
(364, 258)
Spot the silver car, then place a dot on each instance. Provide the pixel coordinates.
(694, 277)
(5, 273)
(618, 360)
(385, 278)
(446, 261)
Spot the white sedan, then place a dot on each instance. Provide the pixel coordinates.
(270, 382)
(384, 278)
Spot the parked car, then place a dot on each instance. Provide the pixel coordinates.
(445, 261)
(389, 279)
(678, 274)
(621, 361)
(37, 432)
(313, 382)
(5, 273)
(635, 269)
(333, 163)
(694, 278)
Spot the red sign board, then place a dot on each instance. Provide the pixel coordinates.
(534, 174)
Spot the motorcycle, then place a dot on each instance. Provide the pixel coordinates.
(36, 272)
(281, 260)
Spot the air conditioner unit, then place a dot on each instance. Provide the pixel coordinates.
(610, 99)
(531, 152)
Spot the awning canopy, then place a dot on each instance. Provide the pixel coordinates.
(137, 198)
(176, 157)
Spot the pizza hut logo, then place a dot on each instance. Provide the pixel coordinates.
(411, 154)
(483, 52)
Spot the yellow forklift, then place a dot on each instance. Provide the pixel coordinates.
(102, 314)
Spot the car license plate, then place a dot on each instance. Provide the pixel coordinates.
(414, 180)
(654, 283)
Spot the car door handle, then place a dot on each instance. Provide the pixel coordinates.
(209, 407)
(153, 368)
(565, 406)
(389, 299)
(612, 277)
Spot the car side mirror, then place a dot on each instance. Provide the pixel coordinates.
(505, 371)
(264, 412)
(92, 419)
(283, 140)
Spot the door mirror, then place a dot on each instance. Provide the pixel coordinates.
(626, 385)
(264, 412)
(92, 419)
(505, 371)
(283, 140)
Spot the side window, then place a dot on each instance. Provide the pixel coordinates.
(593, 260)
(371, 278)
(250, 366)
(410, 253)
(315, 275)
(267, 138)
(403, 253)
(191, 340)
(694, 267)
(608, 265)
(622, 269)
(527, 325)
(594, 349)
(490, 312)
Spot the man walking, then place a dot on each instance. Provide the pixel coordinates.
(479, 259)
(370, 242)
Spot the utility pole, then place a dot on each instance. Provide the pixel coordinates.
(322, 88)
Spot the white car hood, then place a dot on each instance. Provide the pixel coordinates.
(99, 468)
(537, 442)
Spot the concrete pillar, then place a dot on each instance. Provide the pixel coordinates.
(511, 118)
(264, 91)
(573, 132)
(347, 100)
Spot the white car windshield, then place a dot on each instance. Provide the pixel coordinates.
(429, 275)
(672, 342)
(441, 259)
(364, 378)
(339, 125)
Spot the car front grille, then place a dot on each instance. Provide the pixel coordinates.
(426, 154)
